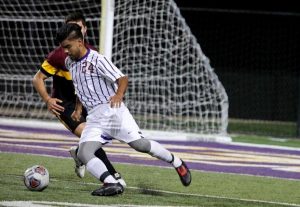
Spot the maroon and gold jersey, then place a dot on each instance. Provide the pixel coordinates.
(54, 65)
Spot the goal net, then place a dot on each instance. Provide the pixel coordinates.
(27, 31)
(172, 86)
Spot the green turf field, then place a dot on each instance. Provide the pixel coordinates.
(146, 186)
(254, 139)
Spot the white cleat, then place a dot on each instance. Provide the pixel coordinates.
(80, 171)
(120, 179)
(79, 167)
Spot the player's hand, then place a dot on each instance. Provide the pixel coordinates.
(115, 101)
(54, 107)
(76, 115)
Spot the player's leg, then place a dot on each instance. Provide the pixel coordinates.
(155, 149)
(77, 128)
(92, 140)
(97, 168)
(100, 153)
(130, 133)
(86, 153)
(79, 166)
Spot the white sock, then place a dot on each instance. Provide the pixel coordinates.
(96, 167)
(110, 179)
(158, 151)
(176, 162)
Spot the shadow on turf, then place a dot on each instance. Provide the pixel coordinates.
(148, 190)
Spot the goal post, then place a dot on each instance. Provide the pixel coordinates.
(172, 87)
(107, 24)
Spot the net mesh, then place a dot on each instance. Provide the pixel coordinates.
(172, 85)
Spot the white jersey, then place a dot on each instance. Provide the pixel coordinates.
(94, 78)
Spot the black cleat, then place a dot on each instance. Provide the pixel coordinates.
(184, 174)
(109, 189)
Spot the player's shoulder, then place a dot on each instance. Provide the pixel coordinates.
(57, 53)
(57, 58)
(93, 53)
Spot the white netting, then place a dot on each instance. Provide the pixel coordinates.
(172, 86)
(27, 32)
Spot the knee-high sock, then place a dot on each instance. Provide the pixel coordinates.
(97, 168)
(100, 153)
(158, 151)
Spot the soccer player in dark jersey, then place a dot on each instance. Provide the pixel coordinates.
(63, 99)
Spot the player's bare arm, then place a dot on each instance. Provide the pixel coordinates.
(76, 115)
(116, 100)
(39, 85)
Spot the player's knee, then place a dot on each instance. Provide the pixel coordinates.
(87, 150)
(83, 156)
(141, 145)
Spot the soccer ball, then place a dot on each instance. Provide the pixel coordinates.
(36, 178)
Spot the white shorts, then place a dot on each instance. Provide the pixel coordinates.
(104, 123)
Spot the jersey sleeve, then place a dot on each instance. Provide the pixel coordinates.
(54, 62)
(48, 69)
(56, 58)
(108, 69)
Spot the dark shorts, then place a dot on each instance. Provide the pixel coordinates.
(65, 117)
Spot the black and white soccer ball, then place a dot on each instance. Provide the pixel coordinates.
(36, 178)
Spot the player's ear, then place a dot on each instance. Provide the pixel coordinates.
(84, 29)
(80, 41)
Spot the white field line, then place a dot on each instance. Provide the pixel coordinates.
(209, 196)
(264, 146)
(218, 197)
(62, 204)
(158, 191)
(52, 204)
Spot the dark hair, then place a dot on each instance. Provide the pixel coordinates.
(76, 16)
(69, 31)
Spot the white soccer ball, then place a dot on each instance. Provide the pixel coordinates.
(36, 178)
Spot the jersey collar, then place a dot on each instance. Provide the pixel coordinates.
(86, 54)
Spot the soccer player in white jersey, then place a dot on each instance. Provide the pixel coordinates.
(100, 87)
(63, 98)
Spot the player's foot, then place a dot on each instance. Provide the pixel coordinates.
(120, 179)
(109, 189)
(79, 167)
(184, 174)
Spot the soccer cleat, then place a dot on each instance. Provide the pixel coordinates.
(80, 171)
(79, 167)
(184, 174)
(120, 179)
(109, 189)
